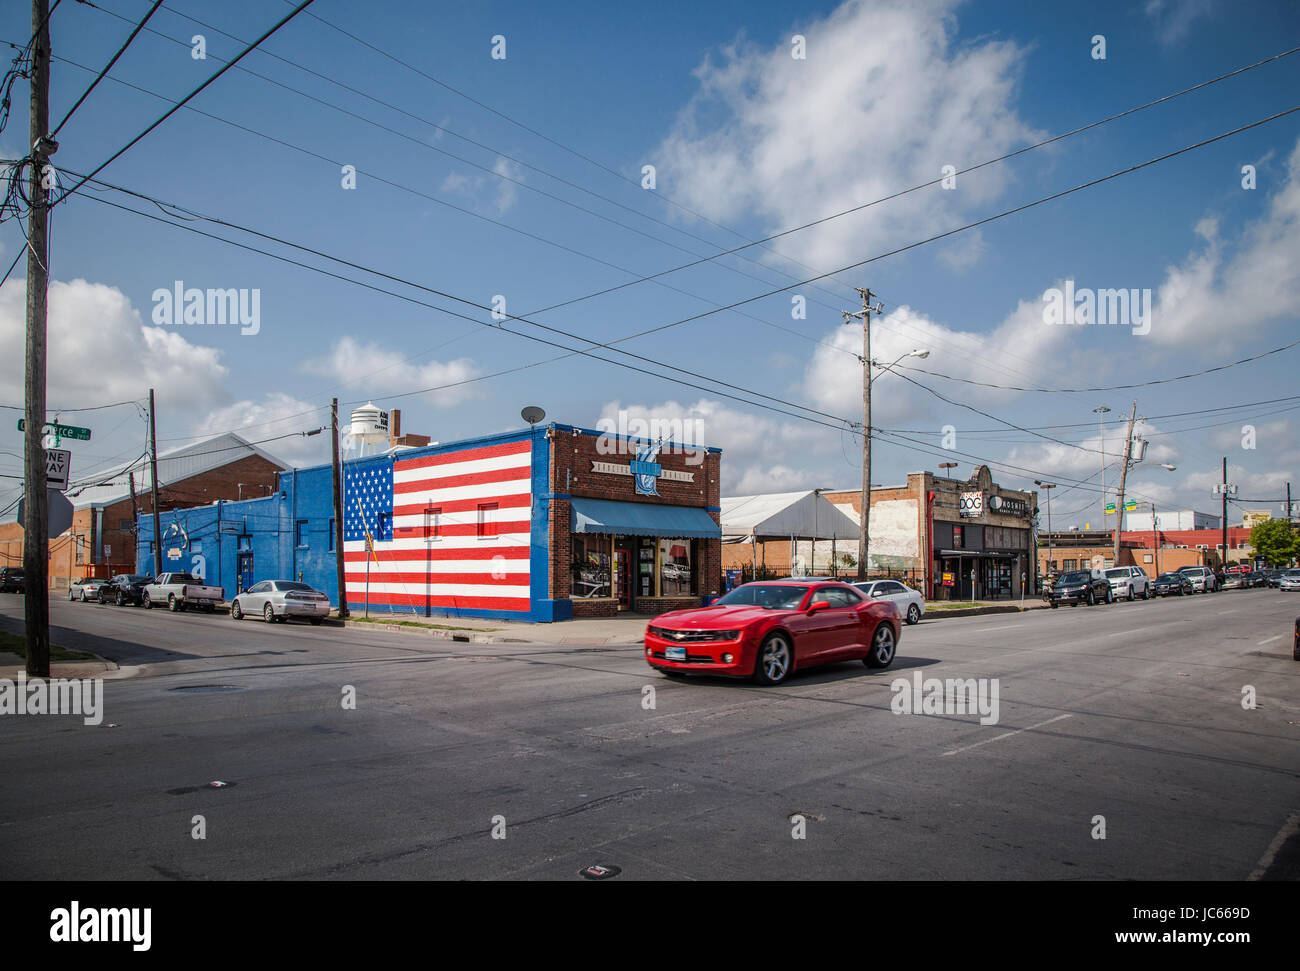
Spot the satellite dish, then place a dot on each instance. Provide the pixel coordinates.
(532, 414)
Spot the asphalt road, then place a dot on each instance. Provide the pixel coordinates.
(1131, 712)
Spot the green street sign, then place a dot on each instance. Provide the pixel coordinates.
(74, 432)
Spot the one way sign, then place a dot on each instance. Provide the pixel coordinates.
(58, 463)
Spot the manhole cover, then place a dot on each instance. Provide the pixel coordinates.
(207, 688)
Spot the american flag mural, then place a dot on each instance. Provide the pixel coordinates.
(450, 531)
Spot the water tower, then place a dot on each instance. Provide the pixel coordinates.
(369, 426)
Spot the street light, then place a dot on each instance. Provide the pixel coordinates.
(946, 466)
(1101, 435)
(867, 364)
(1047, 487)
(1119, 502)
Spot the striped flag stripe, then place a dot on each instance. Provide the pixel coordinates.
(419, 602)
(415, 582)
(426, 590)
(469, 455)
(449, 506)
(507, 553)
(523, 476)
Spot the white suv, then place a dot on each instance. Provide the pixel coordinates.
(1201, 577)
(1129, 582)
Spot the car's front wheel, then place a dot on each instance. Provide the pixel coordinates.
(235, 612)
(883, 643)
(146, 602)
(119, 601)
(913, 614)
(775, 659)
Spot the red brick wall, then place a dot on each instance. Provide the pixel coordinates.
(571, 473)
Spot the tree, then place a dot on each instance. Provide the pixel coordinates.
(1274, 540)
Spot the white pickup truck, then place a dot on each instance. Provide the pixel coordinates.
(181, 590)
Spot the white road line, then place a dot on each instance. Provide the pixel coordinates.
(1269, 640)
(981, 630)
(999, 738)
(1282, 836)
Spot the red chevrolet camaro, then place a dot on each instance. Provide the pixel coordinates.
(769, 629)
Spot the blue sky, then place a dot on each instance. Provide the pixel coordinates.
(743, 136)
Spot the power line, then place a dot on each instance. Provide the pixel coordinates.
(107, 67)
(661, 327)
(180, 104)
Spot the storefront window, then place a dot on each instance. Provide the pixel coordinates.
(590, 567)
(674, 567)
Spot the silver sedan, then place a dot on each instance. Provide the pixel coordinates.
(278, 600)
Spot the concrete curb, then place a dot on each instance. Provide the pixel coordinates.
(976, 611)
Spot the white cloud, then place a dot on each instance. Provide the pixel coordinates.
(1172, 19)
(276, 414)
(99, 351)
(1212, 300)
(381, 370)
(790, 140)
(471, 187)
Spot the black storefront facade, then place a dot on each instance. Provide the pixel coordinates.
(982, 539)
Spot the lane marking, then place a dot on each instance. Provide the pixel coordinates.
(998, 738)
(980, 630)
(1270, 640)
(1283, 834)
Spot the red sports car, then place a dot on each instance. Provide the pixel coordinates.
(768, 629)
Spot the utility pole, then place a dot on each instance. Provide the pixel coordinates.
(338, 507)
(36, 545)
(1155, 540)
(1224, 512)
(1099, 411)
(153, 475)
(135, 522)
(1123, 475)
(864, 520)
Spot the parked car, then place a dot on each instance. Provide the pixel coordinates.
(1172, 584)
(1129, 582)
(12, 580)
(86, 588)
(1273, 576)
(1236, 581)
(769, 629)
(1295, 645)
(125, 588)
(1081, 586)
(279, 600)
(1289, 580)
(1255, 578)
(1202, 578)
(911, 604)
(181, 590)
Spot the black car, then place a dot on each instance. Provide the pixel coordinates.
(12, 580)
(1172, 584)
(125, 588)
(1081, 586)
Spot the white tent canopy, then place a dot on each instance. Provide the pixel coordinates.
(784, 515)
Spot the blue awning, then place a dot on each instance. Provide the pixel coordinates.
(641, 519)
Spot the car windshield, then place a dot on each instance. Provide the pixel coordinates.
(1117, 572)
(770, 595)
(137, 578)
(1170, 577)
(291, 585)
(1078, 577)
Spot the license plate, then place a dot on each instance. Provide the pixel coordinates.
(675, 653)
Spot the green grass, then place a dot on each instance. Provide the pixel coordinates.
(416, 623)
(964, 604)
(17, 644)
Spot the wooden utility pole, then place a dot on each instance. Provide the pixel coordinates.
(36, 545)
(1224, 524)
(338, 507)
(153, 475)
(864, 520)
(1123, 475)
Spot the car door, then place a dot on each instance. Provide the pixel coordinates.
(839, 633)
(253, 600)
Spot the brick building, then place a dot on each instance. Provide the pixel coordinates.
(536, 525)
(102, 539)
(956, 539)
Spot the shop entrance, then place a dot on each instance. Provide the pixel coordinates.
(624, 572)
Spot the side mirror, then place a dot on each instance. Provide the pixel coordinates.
(817, 605)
